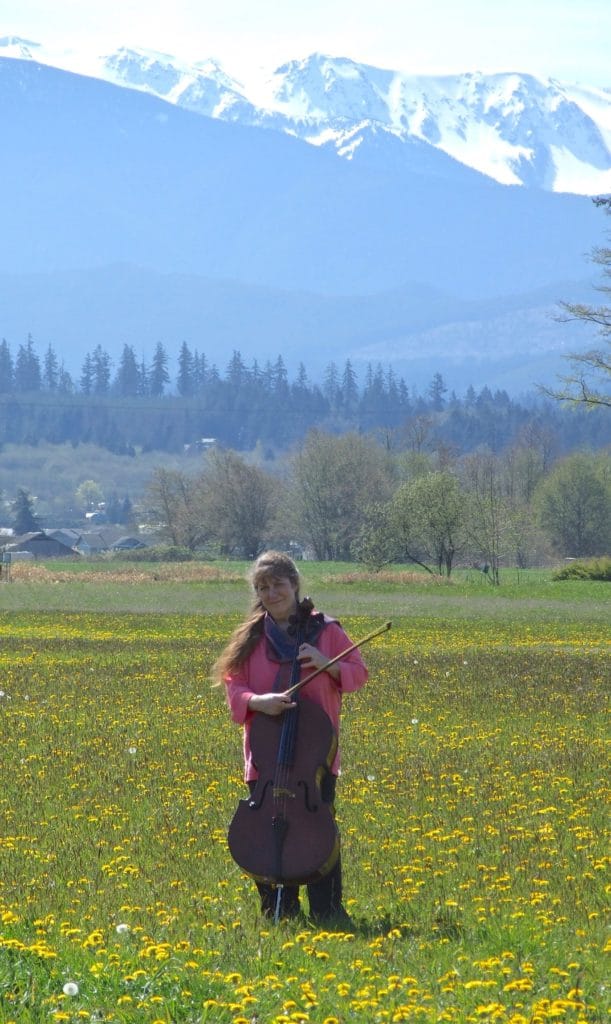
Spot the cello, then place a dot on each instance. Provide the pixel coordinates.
(285, 833)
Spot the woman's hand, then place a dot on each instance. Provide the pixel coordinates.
(270, 703)
(312, 659)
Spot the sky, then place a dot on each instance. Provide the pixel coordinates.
(562, 39)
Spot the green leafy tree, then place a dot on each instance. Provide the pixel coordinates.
(88, 495)
(489, 514)
(241, 502)
(376, 543)
(429, 517)
(574, 505)
(333, 481)
(177, 505)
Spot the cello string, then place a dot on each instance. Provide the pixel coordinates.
(288, 736)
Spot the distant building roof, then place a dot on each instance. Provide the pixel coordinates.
(127, 544)
(42, 545)
(66, 536)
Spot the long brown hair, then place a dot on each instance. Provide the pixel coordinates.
(273, 565)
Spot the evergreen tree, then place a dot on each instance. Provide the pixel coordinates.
(86, 381)
(159, 375)
(437, 390)
(331, 385)
(24, 519)
(27, 368)
(403, 395)
(51, 370)
(185, 382)
(267, 377)
(65, 384)
(127, 511)
(200, 372)
(255, 372)
(236, 371)
(127, 379)
(349, 388)
(7, 372)
(101, 366)
(143, 379)
(301, 381)
(280, 378)
(113, 508)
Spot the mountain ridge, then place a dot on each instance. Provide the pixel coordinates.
(391, 261)
(513, 127)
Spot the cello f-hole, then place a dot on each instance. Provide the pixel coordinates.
(312, 808)
(256, 805)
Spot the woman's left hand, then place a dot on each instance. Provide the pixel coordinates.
(312, 659)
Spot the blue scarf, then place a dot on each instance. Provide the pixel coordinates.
(282, 646)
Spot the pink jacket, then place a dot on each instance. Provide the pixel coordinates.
(258, 674)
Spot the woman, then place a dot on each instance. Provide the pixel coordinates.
(256, 668)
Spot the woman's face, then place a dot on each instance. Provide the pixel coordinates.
(278, 595)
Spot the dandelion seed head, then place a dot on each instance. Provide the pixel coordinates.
(70, 988)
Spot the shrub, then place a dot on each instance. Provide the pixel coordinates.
(162, 553)
(590, 569)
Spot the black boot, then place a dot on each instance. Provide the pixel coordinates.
(325, 897)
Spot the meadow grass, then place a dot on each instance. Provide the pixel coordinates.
(472, 805)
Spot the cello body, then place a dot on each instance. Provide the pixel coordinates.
(285, 834)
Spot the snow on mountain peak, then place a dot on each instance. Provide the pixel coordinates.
(202, 87)
(14, 46)
(516, 128)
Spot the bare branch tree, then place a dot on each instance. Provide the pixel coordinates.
(585, 384)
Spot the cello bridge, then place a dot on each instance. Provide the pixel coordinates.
(280, 791)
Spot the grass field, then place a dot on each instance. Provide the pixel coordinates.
(472, 805)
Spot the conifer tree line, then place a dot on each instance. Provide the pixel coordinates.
(136, 406)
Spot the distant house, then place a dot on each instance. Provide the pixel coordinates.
(127, 544)
(95, 542)
(68, 537)
(42, 545)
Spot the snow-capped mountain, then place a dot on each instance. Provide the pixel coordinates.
(203, 88)
(124, 210)
(514, 128)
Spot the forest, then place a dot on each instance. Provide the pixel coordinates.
(225, 463)
(136, 407)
